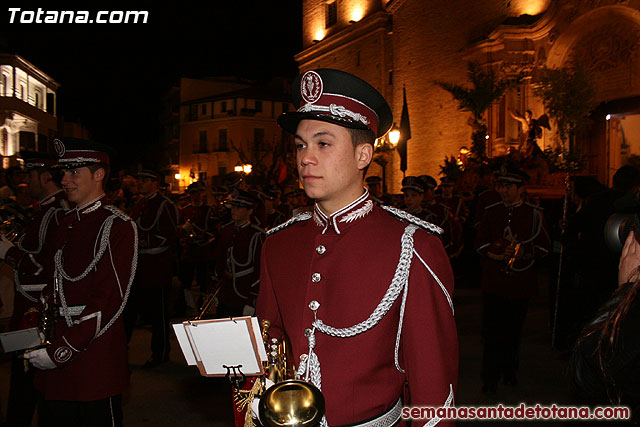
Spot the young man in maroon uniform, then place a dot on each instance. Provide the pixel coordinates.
(90, 264)
(364, 293)
(197, 231)
(237, 257)
(50, 199)
(157, 219)
(511, 238)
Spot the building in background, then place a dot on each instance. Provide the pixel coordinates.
(28, 112)
(226, 123)
(411, 44)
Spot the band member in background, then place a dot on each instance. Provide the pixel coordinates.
(90, 263)
(331, 279)
(413, 191)
(274, 216)
(454, 202)
(196, 238)
(237, 256)
(459, 214)
(375, 189)
(438, 213)
(50, 199)
(511, 237)
(157, 221)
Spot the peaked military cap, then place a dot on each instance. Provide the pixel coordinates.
(244, 199)
(38, 160)
(373, 179)
(510, 175)
(447, 181)
(76, 153)
(340, 98)
(413, 183)
(148, 173)
(429, 181)
(195, 187)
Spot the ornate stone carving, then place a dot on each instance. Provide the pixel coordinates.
(606, 47)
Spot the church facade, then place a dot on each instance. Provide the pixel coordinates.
(412, 44)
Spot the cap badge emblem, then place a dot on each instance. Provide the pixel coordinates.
(311, 87)
(58, 146)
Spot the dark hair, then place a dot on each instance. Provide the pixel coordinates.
(362, 136)
(94, 167)
(626, 178)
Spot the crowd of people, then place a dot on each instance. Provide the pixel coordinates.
(95, 257)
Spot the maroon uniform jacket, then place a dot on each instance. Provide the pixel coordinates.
(90, 276)
(499, 226)
(343, 266)
(157, 221)
(195, 232)
(238, 263)
(29, 281)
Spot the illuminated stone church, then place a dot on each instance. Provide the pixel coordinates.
(411, 44)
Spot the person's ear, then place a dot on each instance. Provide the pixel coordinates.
(98, 175)
(364, 155)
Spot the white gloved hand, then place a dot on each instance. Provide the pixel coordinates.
(256, 401)
(40, 359)
(5, 245)
(247, 310)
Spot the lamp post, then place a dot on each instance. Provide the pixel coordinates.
(382, 148)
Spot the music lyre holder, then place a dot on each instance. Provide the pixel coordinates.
(235, 376)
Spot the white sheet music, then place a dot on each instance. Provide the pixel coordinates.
(212, 344)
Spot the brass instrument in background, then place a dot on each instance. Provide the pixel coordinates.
(289, 402)
(516, 247)
(13, 219)
(10, 228)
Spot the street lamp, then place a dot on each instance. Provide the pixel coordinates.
(238, 167)
(382, 147)
(394, 135)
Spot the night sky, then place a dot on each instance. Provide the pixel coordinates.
(113, 76)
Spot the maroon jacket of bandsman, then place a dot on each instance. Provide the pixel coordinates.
(195, 231)
(237, 257)
(343, 266)
(94, 265)
(157, 219)
(30, 278)
(499, 227)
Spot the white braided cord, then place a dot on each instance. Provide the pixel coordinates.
(303, 216)
(437, 279)
(155, 221)
(399, 281)
(60, 273)
(310, 367)
(413, 219)
(42, 231)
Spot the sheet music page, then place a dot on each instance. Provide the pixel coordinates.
(257, 332)
(185, 345)
(224, 342)
(20, 340)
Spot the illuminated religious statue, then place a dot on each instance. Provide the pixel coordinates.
(531, 132)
